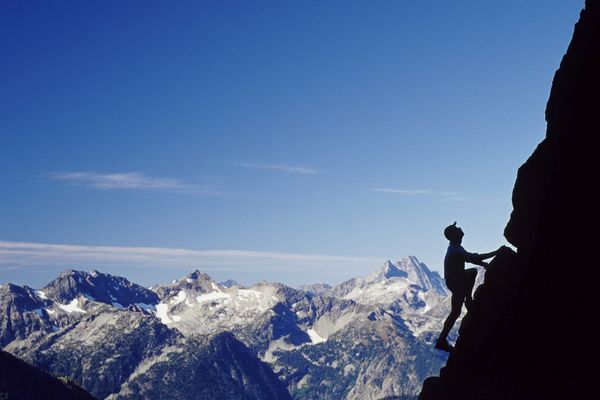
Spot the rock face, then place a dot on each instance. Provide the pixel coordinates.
(524, 337)
(221, 368)
(372, 358)
(21, 314)
(99, 351)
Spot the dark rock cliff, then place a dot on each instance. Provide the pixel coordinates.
(19, 380)
(530, 334)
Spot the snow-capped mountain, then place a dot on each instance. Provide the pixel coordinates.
(408, 281)
(407, 289)
(112, 336)
(104, 288)
(196, 304)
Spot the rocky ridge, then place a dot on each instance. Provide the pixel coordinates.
(112, 343)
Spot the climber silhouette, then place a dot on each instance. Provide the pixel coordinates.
(459, 280)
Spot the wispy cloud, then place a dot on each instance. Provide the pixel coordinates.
(126, 180)
(292, 169)
(415, 192)
(451, 196)
(27, 254)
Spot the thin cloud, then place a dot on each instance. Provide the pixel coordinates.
(126, 181)
(479, 199)
(450, 196)
(293, 169)
(417, 192)
(27, 254)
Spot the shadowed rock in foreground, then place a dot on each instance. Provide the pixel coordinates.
(530, 334)
(19, 380)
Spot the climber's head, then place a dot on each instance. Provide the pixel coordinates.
(454, 234)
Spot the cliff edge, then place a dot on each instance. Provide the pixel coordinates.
(530, 334)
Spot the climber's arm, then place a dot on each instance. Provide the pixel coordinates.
(477, 259)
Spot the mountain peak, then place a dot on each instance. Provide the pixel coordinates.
(390, 270)
(97, 286)
(407, 280)
(420, 274)
(197, 275)
(387, 271)
(194, 282)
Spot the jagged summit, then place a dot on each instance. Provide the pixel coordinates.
(96, 286)
(413, 270)
(194, 282)
(409, 283)
(388, 271)
(196, 275)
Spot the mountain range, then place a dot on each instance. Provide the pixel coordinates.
(195, 338)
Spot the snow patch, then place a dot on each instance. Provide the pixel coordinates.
(161, 313)
(181, 296)
(384, 292)
(315, 338)
(41, 295)
(212, 296)
(73, 306)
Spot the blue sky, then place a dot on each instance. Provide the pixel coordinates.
(289, 141)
